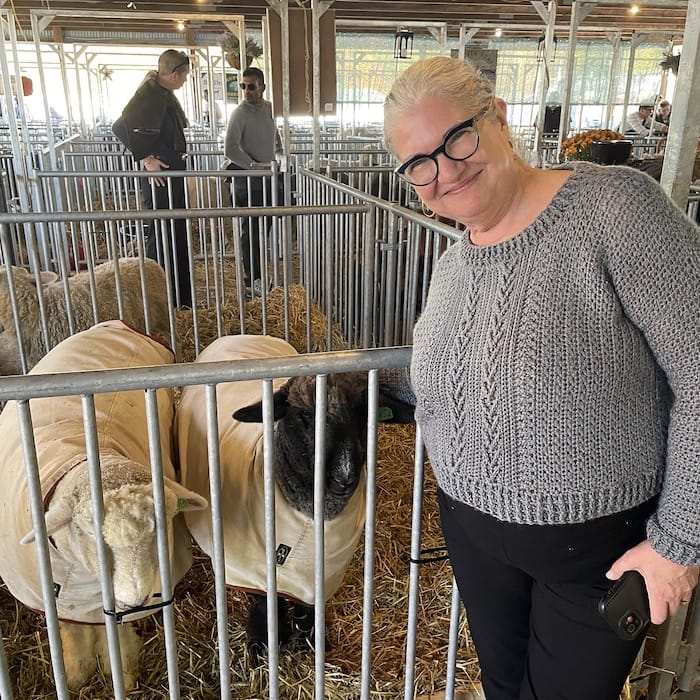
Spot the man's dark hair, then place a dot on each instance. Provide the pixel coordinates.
(254, 73)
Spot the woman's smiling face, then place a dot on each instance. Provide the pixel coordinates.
(467, 190)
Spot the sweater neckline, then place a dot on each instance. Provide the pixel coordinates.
(533, 232)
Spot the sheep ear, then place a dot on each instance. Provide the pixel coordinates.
(47, 277)
(19, 271)
(254, 412)
(186, 499)
(57, 516)
(392, 410)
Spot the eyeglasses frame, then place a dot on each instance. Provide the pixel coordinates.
(401, 169)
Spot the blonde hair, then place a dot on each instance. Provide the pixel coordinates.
(449, 78)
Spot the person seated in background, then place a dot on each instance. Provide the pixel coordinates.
(663, 113)
(55, 116)
(637, 123)
(210, 109)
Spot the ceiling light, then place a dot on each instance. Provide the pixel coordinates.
(130, 5)
(634, 9)
(180, 25)
(498, 32)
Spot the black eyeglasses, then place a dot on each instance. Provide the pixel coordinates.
(460, 143)
(186, 62)
(249, 86)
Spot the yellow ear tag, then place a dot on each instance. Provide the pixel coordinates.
(182, 504)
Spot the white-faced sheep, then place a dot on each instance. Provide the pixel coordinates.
(129, 517)
(241, 451)
(33, 341)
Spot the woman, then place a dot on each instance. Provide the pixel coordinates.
(155, 124)
(557, 385)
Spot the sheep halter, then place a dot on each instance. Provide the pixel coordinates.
(121, 614)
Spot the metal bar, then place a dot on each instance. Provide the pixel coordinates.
(156, 457)
(41, 543)
(370, 532)
(665, 660)
(218, 559)
(103, 557)
(270, 537)
(414, 568)
(319, 535)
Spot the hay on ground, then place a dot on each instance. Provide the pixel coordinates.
(207, 320)
(27, 649)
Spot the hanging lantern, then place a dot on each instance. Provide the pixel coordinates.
(403, 43)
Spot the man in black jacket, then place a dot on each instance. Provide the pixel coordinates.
(155, 123)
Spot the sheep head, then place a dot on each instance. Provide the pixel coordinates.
(129, 525)
(28, 310)
(294, 439)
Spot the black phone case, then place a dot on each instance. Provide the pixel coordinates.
(625, 606)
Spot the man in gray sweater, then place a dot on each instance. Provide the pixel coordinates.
(251, 142)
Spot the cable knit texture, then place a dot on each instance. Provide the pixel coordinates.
(557, 374)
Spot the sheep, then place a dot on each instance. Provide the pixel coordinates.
(241, 450)
(33, 341)
(129, 518)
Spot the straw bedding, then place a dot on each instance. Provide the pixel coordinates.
(28, 653)
(26, 642)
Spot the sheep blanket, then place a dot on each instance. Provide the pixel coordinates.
(242, 497)
(60, 445)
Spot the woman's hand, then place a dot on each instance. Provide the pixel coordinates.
(153, 164)
(668, 584)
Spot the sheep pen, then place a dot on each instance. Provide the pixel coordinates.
(26, 641)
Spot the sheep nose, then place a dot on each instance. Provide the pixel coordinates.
(122, 605)
(340, 487)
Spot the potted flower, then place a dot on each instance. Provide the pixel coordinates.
(230, 45)
(599, 145)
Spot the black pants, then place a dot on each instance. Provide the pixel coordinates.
(531, 595)
(259, 194)
(176, 230)
(253, 196)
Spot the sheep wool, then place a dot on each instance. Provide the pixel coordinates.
(242, 497)
(60, 445)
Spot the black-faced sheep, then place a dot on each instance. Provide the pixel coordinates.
(33, 341)
(241, 451)
(129, 517)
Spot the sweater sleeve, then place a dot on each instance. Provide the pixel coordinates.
(232, 142)
(654, 264)
(396, 382)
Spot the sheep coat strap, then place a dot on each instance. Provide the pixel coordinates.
(60, 445)
(242, 497)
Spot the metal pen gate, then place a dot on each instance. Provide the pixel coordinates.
(22, 390)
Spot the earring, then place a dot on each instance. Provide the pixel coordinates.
(426, 211)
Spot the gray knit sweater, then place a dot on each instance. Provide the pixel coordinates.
(557, 374)
(251, 135)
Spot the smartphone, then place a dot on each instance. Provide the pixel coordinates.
(625, 606)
